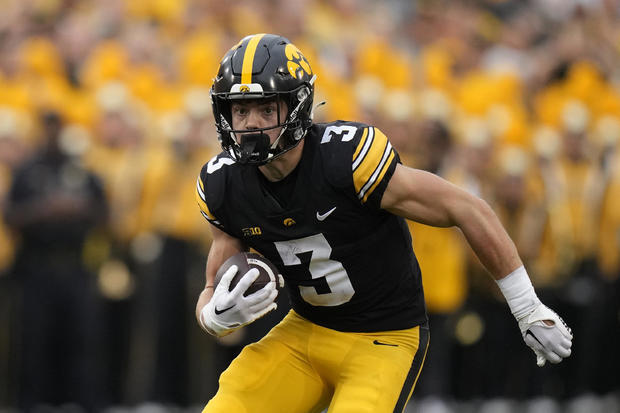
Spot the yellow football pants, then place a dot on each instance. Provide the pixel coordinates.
(300, 367)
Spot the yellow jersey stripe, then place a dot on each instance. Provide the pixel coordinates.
(370, 162)
(201, 186)
(379, 178)
(248, 58)
(359, 146)
(200, 190)
(202, 202)
(362, 149)
(376, 172)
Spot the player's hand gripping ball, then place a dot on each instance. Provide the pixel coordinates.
(245, 261)
(246, 286)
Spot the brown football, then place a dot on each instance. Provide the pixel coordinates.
(245, 261)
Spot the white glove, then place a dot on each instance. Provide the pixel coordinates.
(542, 329)
(229, 310)
(550, 342)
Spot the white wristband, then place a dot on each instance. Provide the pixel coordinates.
(519, 292)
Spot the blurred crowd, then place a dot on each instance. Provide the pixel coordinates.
(105, 121)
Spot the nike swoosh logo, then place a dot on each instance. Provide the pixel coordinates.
(218, 312)
(378, 343)
(321, 217)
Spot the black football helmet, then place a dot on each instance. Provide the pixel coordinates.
(263, 66)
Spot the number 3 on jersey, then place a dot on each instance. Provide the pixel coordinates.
(345, 132)
(321, 267)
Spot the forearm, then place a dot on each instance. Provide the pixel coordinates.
(203, 299)
(213, 261)
(488, 238)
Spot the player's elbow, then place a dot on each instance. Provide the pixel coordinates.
(468, 209)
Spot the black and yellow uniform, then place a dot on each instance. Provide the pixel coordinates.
(349, 268)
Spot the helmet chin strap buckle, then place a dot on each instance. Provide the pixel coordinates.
(254, 147)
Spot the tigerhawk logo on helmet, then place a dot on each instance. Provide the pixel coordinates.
(263, 66)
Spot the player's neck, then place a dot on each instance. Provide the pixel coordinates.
(282, 166)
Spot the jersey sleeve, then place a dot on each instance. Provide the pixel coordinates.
(373, 163)
(202, 201)
(208, 192)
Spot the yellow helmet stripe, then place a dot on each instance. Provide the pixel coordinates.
(248, 58)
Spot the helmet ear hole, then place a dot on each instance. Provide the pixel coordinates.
(298, 134)
(302, 94)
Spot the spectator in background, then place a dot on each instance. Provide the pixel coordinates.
(52, 205)
(13, 149)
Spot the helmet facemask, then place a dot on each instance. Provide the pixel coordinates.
(253, 146)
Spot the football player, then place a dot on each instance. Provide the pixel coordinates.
(327, 203)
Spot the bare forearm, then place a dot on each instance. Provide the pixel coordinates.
(203, 299)
(489, 240)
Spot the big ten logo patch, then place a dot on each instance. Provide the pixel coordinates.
(251, 231)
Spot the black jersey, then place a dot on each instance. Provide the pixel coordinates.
(348, 264)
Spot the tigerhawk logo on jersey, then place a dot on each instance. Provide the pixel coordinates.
(289, 222)
(251, 231)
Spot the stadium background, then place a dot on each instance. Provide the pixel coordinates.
(517, 101)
